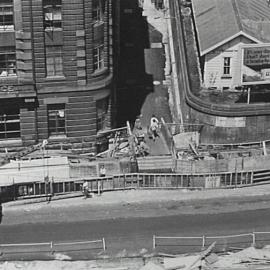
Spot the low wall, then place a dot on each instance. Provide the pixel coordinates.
(91, 169)
(156, 164)
(201, 166)
(239, 164)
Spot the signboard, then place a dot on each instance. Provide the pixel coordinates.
(255, 66)
(230, 121)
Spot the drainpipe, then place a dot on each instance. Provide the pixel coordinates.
(33, 66)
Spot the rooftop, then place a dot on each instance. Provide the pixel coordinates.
(218, 21)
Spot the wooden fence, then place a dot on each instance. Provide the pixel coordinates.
(197, 243)
(51, 247)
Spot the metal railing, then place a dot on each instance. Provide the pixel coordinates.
(53, 247)
(223, 242)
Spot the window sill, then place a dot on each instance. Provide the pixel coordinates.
(9, 77)
(55, 78)
(58, 137)
(53, 29)
(98, 72)
(6, 142)
(6, 30)
(226, 77)
(98, 23)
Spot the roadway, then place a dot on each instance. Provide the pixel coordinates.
(133, 234)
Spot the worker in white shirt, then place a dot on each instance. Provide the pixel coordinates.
(154, 127)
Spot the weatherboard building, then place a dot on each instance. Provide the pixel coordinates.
(228, 33)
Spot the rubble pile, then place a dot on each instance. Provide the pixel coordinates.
(246, 259)
(249, 258)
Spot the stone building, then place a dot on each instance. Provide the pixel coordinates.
(56, 70)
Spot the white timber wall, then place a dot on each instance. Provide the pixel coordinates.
(214, 62)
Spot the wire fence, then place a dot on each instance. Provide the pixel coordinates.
(184, 244)
(52, 247)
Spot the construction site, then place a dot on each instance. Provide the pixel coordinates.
(132, 159)
(203, 139)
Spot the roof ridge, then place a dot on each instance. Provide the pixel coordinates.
(237, 15)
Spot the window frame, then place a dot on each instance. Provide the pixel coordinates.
(53, 111)
(98, 57)
(8, 64)
(102, 108)
(10, 123)
(4, 14)
(53, 23)
(54, 69)
(227, 66)
(98, 9)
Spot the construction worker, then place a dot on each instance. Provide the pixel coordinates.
(102, 171)
(154, 127)
(85, 189)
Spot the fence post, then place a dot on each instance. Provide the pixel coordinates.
(253, 239)
(51, 246)
(103, 243)
(203, 241)
(99, 186)
(154, 242)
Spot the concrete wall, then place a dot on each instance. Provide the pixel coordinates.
(256, 128)
(223, 165)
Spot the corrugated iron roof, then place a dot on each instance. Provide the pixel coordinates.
(218, 21)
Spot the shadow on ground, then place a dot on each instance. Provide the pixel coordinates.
(133, 83)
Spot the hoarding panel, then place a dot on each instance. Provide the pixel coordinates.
(255, 68)
(230, 121)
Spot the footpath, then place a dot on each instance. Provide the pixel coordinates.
(137, 203)
(134, 203)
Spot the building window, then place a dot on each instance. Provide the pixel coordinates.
(52, 14)
(102, 111)
(54, 61)
(227, 66)
(7, 62)
(98, 11)
(6, 15)
(98, 57)
(56, 119)
(10, 122)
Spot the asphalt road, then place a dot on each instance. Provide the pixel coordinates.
(134, 234)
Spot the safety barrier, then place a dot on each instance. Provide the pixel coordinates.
(136, 181)
(52, 247)
(197, 243)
